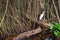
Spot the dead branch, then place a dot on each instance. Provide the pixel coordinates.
(28, 34)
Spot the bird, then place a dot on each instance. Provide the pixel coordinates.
(42, 15)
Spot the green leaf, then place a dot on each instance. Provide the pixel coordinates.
(57, 33)
(53, 28)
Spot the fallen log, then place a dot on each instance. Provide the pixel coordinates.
(28, 34)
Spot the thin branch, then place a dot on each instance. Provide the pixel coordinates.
(56, 10)
(4, 13)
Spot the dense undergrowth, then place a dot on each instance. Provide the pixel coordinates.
(13, 14)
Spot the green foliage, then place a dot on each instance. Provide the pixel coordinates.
(55, 28)
(57, 33)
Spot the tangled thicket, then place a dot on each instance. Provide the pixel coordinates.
(13, 14)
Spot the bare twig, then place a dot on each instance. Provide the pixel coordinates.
(56, 10)
(4, 13)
